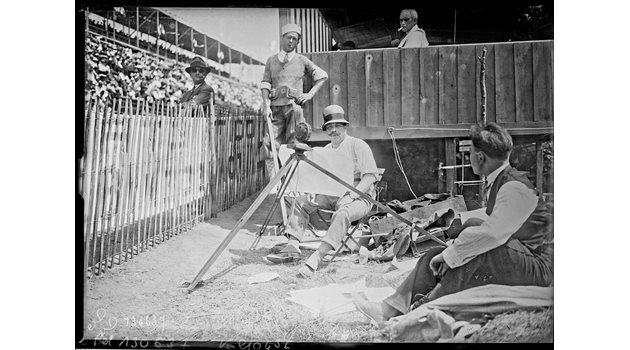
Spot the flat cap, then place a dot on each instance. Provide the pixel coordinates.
(291, 27)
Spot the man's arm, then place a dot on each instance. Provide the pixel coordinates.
(319, 76)
(265, 88)
(367, 164)
(514, 204)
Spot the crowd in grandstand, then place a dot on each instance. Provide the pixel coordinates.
(116, 71)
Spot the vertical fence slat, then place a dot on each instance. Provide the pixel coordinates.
(504, 82)
(89, 187)
(392, 86)
(410, 68)
(543, 80)
(356, 88)
(374, 88)
(124, 187)
(339, 80)
(466, 73)
(448, 84)
(322, 98)
(524, 89)
(429, 86)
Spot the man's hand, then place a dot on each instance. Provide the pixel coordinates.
(303, 98)
(438, 265)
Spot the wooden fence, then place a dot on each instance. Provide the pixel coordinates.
(436, 87)
(147, 172)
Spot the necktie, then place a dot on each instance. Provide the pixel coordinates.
(485, 191)
(286, 59)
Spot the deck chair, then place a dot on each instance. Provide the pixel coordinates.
(326, 215)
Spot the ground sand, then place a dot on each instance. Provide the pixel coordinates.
(143, 298)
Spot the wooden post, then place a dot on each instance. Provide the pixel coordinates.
(157, 26)
(482, 82)
(137, 27)
(176, 40)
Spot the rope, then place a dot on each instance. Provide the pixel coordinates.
(398, 160)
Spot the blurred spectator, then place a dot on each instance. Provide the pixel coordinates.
(116, 71)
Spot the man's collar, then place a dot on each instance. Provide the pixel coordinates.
(414, 28)
(493, 175)
(283, 53)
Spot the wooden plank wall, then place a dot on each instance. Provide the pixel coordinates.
(436, 86)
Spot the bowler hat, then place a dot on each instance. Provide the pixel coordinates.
(291, 27)
(334, 114)
(198, 62)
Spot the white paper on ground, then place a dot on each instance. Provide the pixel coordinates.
(262, 277)
(307, 179)
(334, 299)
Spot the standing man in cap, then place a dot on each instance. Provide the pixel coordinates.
(415, 37)
(348, 208)
(200, 93)
(282, 85)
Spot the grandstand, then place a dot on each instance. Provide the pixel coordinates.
(125, 62)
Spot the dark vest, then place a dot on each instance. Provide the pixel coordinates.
(538, 228)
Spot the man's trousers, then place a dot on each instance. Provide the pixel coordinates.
(283, 119)
(510, 264)
(299, 216)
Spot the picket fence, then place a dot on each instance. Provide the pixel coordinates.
(152, 170)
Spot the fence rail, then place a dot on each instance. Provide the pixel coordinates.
(150, 171)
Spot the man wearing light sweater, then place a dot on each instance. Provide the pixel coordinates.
(282, 88)
(513, 246)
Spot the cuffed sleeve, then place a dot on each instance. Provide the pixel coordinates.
(266, 80)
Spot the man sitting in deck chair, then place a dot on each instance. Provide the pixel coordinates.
(513, 246)
(348, 208)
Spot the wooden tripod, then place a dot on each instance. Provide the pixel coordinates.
(289, 168)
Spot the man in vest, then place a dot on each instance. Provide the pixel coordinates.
(513, 246)
(348, 208)
(415, 37)
(282, 88)
(201, 92)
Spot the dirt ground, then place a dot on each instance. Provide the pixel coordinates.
(142, 299)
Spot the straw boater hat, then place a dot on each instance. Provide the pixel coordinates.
(334, 114)
(291, 27)
(198, 62)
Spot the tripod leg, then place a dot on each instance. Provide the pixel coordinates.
(274, 152)
(241, 222)
(371, 200)
(279, 197)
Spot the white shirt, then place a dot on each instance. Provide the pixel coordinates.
(514, 203)
(282, 54)
(414, 38)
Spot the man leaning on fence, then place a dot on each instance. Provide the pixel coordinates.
(282, 85)
(201, 92)
(513, 246)
(348, 208)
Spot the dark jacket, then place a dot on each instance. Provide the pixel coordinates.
(538, 228)
(201, 94)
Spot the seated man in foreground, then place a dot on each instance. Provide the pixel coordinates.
(348, 208)
(513, 246)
